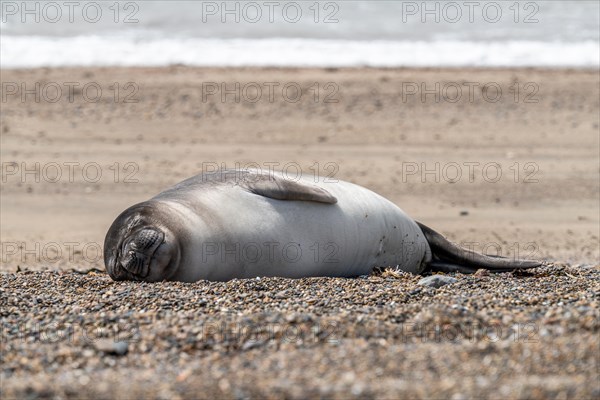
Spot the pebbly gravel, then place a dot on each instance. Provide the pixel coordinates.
(511, 335)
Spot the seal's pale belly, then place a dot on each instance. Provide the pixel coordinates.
(238, 234)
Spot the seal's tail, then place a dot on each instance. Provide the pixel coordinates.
(448, 257)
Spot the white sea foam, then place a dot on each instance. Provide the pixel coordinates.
(38, 51)
(376, 33)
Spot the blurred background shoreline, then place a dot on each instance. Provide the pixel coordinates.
(550, 34)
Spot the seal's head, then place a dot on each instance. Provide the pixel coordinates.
(140, 245)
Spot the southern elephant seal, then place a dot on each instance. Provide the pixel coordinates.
(245, 223)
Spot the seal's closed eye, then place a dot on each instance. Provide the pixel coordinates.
(146, 238)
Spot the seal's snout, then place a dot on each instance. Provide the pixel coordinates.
(138, 250)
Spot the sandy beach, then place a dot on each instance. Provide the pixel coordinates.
(503, 160)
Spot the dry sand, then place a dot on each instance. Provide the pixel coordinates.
(544, 205)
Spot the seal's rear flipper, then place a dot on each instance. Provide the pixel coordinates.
(448, 257)
(284, 189)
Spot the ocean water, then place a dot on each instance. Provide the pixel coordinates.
(300, 33)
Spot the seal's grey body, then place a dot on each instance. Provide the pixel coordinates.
(244, 224)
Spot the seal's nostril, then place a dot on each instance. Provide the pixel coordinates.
(133, 263)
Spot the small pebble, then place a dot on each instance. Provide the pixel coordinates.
(437, 281)
(109, 346)
(482, 272)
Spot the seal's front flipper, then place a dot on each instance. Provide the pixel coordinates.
(448, 257)
(284, 189)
